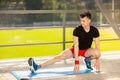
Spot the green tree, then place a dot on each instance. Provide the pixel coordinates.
(32, 5)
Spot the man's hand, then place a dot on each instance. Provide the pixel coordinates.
(76, 68)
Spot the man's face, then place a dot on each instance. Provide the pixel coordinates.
(85, 21)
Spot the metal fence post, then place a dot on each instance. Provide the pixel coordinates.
(64, 32)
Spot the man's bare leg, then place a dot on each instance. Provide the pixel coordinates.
(93, 54)
(63, 55)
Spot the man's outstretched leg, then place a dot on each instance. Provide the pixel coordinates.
(64, 55)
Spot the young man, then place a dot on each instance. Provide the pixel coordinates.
(83, 36)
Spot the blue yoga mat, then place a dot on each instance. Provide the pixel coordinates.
(49, 72)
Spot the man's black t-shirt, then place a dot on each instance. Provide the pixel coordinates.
(85, 38)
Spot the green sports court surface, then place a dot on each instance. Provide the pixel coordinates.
(30, 36)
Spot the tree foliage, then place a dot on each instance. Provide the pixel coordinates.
(33, 4)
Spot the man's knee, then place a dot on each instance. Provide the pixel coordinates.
(94, 53)
(97, 53)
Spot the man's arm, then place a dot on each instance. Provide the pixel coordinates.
(76, 47)
(97, 46)
(97, 43)
(76, 44)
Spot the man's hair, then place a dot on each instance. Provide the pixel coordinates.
(85, 14)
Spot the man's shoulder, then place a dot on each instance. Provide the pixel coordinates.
(93, 27)
(78, 27)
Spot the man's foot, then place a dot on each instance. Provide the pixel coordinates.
(88, 62)
(33, 65)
